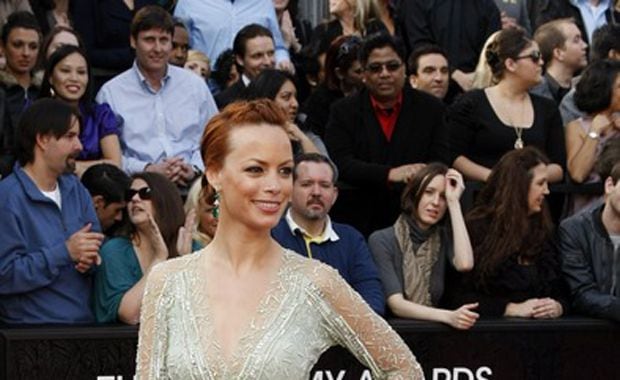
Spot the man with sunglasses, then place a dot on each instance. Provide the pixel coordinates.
(49, 230)
(381, 136)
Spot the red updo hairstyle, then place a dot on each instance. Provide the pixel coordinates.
(215, 145)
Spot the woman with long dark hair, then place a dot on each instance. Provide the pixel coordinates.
(157, 230)
(598, 95)
(429, 235)
(517, 270)
(279, 86)
(343, 77)
(68, 78)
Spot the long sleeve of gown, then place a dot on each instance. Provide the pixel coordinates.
(363, 332)
(152, 337)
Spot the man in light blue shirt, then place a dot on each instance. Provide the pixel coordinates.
(164, 108)
(213, 24)
(593, 13)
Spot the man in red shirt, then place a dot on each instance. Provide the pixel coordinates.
(381, 136)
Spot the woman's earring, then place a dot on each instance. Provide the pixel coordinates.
(216, 205)
(52, 92)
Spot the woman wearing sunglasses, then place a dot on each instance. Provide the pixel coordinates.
(157, 230)
(343, 77)
(484, 124)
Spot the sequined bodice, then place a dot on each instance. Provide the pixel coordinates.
(307, 309)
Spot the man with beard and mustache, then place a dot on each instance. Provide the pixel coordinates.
(49, 231)
(307, 229)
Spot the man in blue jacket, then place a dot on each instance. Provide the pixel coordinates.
(49, 232)
(307, 229)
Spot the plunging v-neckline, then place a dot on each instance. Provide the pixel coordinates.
(253, 331)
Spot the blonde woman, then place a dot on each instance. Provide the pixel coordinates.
(198, 63)
(201, 199)
(483, 77)
(351, 17)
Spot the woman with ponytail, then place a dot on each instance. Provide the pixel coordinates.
(486, 123)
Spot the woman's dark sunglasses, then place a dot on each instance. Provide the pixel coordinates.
(535, 56)
(144, 193)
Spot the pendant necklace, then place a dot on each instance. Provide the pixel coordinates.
(519, 141)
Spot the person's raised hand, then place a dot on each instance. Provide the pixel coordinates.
(184, 240)
(455, 185)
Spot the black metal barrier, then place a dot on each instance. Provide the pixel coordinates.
(569, 348)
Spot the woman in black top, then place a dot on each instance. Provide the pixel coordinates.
(351, 17)
(343, 77)
(487, 123)
(517, 272)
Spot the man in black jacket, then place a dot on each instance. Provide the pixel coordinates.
(459, 27)
(590, 246)
(381, 136)
(254, 51)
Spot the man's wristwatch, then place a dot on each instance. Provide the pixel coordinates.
(594, 135)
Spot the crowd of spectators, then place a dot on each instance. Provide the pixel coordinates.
(393, 108)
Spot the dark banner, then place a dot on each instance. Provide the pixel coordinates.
(570, 348)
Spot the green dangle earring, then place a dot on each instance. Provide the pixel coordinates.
(216, 205)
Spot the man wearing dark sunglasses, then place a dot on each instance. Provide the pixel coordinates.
(381, 136)
(49, 230)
